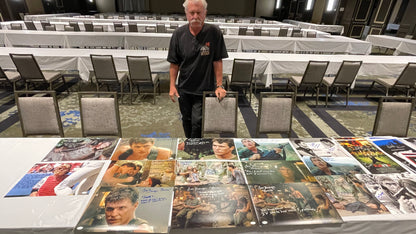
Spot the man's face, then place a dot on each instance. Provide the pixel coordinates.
(127, 170)
(221, 149)
(120, 212)
(286, 172)
(61, 170)
(319, 163)
(249, 144)
(195, 14)
(391, 185)
(141, 149)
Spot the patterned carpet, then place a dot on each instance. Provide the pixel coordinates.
(142, 118)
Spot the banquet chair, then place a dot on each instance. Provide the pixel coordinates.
(393, 118)
(242, 30)
(117, 24)
(275, 113)
(119, 29)
(160, 28)
(99, 114)
(75, 25)
(141, 75)
(242, 75)
(98, 28)
(39, 115)
(133, 27)
(257, 31)
(30, 25)
(9, 78)
(219, 116)
(344, 78)
(312, 77)
(297, 34)
(311, 34)
(30, 72)
(150, 29)
(89, 27)
(69, 28)
(283, 32)
(50, 28)
(16, 26)
(105, 72)
(405, 81)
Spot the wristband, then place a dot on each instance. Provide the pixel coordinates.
(220, 86)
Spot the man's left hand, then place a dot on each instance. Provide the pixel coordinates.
(220, 93)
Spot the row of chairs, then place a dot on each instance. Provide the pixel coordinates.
(283, 32)
(275, 114)
(39, 113)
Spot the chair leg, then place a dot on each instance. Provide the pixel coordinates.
(317, 95)
(371, 87)
(131, 93)
(348, 96)
(326, 96)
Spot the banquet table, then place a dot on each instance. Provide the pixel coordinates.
(336, 29)
(62, 39)
(60, 214)
(402, 45)
(267, 64)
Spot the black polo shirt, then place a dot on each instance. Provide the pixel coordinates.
(195, 57)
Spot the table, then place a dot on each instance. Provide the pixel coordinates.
(329, 44)
(48, 16)
(336, 29)
(402, 45)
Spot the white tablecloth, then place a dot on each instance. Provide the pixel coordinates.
(339, 29)
(402, 45)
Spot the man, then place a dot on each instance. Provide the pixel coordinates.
(190, 209)
(142, 149)
(223, 150)
(196, 50)
(126, 173)
(237, 176)
(46, 186)
(120, 207)
(322, 167)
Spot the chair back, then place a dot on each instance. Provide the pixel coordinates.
(44, 23)
(89, 27)
(408, 76)
(99, 114)
(347, 72)
(150, 29)
(30, 25)
(139, 69)
(75, 25)
(219, 116)
(311, 34)
(242, 30)
(39, 115)
(28, 68)
(297, 34)
(283, 32)
(160, 28)
(119, 29)
(104, 68)
(275, 112)
(242, 73)
(314, 72)
(15, 26)
(257, 31)
(393, 118)
(133, 27)
(50, 28)
(117, 24)
(98, 28)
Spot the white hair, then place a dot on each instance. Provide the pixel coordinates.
(204, 3)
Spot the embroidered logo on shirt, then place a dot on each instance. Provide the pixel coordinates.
(205, 49)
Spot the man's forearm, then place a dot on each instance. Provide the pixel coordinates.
(218, 72)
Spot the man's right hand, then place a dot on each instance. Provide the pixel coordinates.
(173, 93)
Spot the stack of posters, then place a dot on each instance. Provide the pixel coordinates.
(210, 186)
(136, 190)
(334, 168)
(283, 190)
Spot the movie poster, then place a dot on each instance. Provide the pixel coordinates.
(292, 204)
(265, 149)
(139, 148)
(57, 179)
(350, 196)
(192, 172)
(276, 172)
(206, 149)
(320, 166)
(396, 191)
(220, 206)
(320, 147)
(74, 149)
(146, 173)
(128, 210)
(370, 157)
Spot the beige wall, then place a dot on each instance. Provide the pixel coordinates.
(265, 8)
(105, 6)
(318, 10)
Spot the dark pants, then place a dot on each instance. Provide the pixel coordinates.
(191, 110)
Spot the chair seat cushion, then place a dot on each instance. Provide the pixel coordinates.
(328, 81)
(12, 76)
(51, 76)
(296, 80)
(387, 82)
